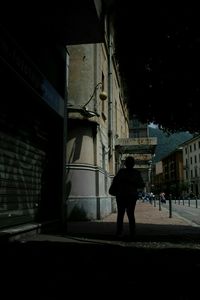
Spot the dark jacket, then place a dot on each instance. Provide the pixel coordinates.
(126, 183)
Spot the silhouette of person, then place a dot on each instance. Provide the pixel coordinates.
(126, 185)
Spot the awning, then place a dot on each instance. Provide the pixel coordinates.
(136, 145)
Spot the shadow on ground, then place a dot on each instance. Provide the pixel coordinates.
(177, 234)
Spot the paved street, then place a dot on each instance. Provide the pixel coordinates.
(189, 210)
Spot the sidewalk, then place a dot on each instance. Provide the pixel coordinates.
(154, 228)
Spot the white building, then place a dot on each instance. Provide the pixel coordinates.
(191, 164)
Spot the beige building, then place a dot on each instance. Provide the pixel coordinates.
(97, 114)
(173, 173)
(157, 177)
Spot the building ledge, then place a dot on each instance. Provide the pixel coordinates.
(21, 231)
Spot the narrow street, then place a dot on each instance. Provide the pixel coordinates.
(187, 209)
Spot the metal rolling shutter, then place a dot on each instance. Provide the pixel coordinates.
(21, 167)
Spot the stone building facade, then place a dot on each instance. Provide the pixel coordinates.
(97, 114)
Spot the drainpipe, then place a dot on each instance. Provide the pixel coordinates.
(95, 76)
(110, 95)
(64, 194)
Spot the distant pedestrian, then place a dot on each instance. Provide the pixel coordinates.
(151, 197)
(125, 187)
(162, 197)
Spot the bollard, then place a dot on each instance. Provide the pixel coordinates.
(159, 203)
(170, 207)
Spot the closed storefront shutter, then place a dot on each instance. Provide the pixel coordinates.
(21, 170)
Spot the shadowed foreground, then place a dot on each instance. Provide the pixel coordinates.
(88, 261)
(42, 269)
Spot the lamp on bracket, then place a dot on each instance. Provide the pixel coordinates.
(84, 110)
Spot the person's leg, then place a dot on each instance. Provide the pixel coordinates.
(120, 216)
(131, 216)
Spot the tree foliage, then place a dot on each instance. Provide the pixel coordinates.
(158, 50)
